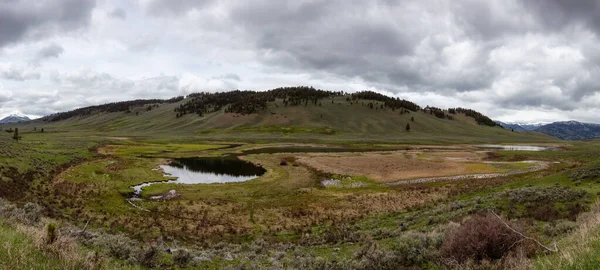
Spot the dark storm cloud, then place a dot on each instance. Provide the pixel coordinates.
(20, 19)
(557, 14)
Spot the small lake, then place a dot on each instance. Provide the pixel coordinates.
(207, 170)
(514, 147)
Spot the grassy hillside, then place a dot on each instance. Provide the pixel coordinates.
(332, 119)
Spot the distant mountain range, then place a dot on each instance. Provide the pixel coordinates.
(14, 118)
(566, 130)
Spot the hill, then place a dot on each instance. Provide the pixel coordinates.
(14, 118)
(294, 113)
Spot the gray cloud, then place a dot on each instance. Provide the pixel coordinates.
(21, 19)
(174, 7)
(559, 14)
(496, 55)
(50, 51)
(18, 73)
(446, 48)
(118, 13)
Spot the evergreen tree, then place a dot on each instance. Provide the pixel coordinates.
(407, 127)
(412, 119)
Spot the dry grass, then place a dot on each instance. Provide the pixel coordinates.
(399, 165)
(580, 249)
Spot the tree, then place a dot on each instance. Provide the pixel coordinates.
(407, 127)
(412, 119)
(42, 130)
(16, 136)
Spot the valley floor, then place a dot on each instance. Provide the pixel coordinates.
(337, 206)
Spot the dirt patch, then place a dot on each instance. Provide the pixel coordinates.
(399, 165)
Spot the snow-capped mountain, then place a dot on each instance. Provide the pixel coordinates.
(14, 118)
(566, 130)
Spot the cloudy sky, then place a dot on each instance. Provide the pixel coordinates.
(514, 60)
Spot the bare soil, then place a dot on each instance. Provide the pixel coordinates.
(399, 165)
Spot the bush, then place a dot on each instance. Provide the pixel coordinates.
(560, 228)
(483, 237)
(148, 256)
(182, 258)
(369, 256)
(118, 246)
(416, 248)
(30, 214)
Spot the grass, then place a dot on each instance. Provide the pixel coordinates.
(287, 208)
(337, 122)
(18, 251)
(23, 247)
(578, 250)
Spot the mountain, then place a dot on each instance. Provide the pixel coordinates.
(286, 114)
(566, 130)
(515, 127)
(14, 118)
(520, 126)
(571, 130)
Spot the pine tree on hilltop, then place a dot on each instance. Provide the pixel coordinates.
(407, 127)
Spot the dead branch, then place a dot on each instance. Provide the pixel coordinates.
(555, 249)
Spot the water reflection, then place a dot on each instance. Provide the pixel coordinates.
(515, 147)
(207, 170)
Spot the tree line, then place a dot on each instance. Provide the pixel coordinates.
(249, 102)
(480, 118)
(390, 102)
(122, 106)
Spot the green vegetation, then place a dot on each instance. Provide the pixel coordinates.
(302, 115)
(71, 186)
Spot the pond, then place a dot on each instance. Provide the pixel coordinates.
(514, 147)
(207, 170)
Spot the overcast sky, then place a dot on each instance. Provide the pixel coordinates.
(526, 61)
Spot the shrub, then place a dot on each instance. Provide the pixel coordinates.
(483, 237)
(117, 246)
(546, 212)
(33, 213)
(182, 258)
(559, 228)
(369, 256)
(148, 256)
(51, 234)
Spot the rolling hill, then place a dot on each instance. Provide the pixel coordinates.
(295, 114)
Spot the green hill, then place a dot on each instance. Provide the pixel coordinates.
(283, 115)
